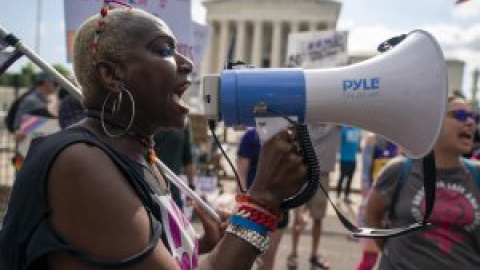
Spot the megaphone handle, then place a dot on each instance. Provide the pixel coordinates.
(313, 170)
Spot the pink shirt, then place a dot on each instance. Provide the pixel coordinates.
(181, 237)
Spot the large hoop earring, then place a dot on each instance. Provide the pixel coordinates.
(115, 109)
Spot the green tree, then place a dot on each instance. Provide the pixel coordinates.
(27, 75)
(62, 70)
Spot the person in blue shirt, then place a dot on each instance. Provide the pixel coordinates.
(349, 146)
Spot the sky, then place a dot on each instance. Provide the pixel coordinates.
(369, 22)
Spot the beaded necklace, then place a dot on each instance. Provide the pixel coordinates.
(150, 155)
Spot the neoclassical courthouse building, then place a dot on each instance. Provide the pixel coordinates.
(261, 29)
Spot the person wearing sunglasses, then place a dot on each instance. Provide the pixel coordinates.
(91, 196)
(453, 239)
(463, 115)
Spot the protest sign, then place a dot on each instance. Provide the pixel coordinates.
(319, 49)
(176, 13)
(35, 126)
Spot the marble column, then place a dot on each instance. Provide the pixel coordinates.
(257, 44)
(240, 42)
(224, 45)
(276, 40)
(294, 26)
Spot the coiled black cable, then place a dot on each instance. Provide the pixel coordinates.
(313, 170)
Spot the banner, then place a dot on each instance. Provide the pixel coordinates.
(176, 13)
(206, 185)
(36, 126)
(320, 49)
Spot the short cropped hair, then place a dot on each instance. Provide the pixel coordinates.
(121, 27)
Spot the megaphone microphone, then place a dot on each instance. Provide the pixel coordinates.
(400, 94)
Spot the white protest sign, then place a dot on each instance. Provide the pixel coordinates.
(206, 185)
(320, 49)
(176, 13)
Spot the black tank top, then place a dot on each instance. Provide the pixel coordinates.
(27, 235)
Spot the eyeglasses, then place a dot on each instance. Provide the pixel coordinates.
(463, 115)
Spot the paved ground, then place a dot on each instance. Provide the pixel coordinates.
(342, 252)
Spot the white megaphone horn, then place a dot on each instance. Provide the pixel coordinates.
(400, 94)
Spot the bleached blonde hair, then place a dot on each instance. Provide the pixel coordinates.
(122, 26)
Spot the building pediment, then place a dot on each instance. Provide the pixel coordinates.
(273, 10)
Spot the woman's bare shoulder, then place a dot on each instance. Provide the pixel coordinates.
(92, 205)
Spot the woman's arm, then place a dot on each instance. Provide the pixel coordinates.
(95, 209)
(242, 170)
(367, 155)
(280, 174)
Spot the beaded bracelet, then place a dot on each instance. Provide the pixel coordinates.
(258, 241)
(244, 198)
(248, 224)
(258, 216)
(254, 206)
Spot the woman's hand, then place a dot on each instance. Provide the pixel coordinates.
(213, 231)
(281, 171)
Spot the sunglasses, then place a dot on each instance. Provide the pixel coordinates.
(463, 115)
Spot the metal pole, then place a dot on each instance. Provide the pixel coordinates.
(39, 26)
(184, 187)
(19, 45)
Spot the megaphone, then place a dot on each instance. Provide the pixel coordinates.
(400, 94)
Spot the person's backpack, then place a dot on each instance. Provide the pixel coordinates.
(12, 111)
(469, 164)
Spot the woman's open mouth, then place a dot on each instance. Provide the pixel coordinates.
(177, 96)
